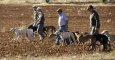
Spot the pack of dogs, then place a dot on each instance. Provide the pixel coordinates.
(67, 38)
(29, 33)
(46, 29)
(103, 39)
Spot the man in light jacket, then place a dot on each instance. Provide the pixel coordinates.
(62, 23)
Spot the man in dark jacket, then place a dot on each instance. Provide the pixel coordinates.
(40, 22)
(94, 20)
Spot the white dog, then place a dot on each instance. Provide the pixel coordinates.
(67, 37)
(22, 33)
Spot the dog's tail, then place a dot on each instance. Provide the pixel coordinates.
(105, 32)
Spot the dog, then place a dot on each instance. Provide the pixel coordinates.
(111, 37)
(22, 33)
(67, 38)
(46, 29)
(83, 38)
(103, 39)
(50, 29)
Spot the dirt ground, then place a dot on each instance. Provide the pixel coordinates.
(21, 16)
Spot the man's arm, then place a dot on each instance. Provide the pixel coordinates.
(97, 20)
(34, 18)
(40, 18)
(66, 21)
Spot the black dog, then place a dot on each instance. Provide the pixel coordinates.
(103, 39)
(33, 27)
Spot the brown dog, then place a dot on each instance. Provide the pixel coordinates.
(103, 39)
(82, 38)
(46, 29)
(50, 29)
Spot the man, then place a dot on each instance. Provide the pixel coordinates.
(94, 20)
(33, 25)
(34, 15)
(39, 21)
(35, 18)
(62, 23)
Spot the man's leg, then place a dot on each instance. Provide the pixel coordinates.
(40, 31)
(61, 29)
(57, 36)
(92, 31)
(64, 28)
(57, 39)
(96, 30)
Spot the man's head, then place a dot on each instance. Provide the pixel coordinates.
(90, 8)
(34, 8)
(59, 11)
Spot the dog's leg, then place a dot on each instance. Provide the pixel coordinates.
(109, 45)
(104, 47)
(52, 30)
(16, 35)
(62, 41)
(92, 44)
(45, 33)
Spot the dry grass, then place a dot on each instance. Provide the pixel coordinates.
(94, 56)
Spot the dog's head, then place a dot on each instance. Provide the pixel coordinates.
(77, 34)
(52, 35)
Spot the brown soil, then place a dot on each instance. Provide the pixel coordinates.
(18, 16)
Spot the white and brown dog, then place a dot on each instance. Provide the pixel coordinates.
(110, 36)
(22, 33)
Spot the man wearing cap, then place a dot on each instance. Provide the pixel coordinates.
(39, 22)
(62, 23)
(34, 15)
(94, 20)
(33, 25)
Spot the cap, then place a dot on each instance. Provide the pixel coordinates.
(39, 8)
(35, 6)
(90, 7)
(59, 10)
